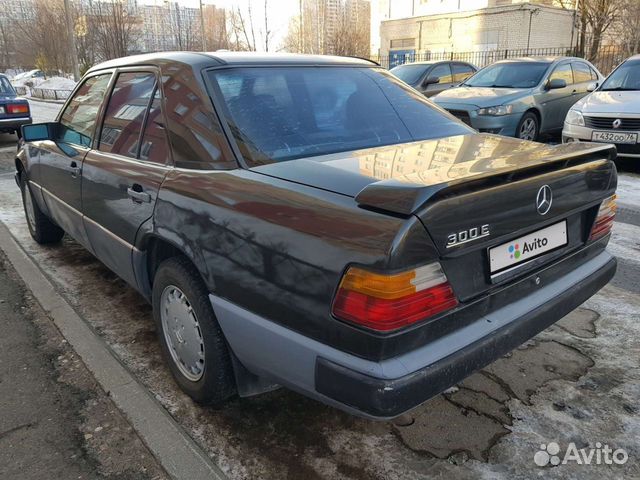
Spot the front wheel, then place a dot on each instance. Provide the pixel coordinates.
(528, 127)
(191, 339)
(41, 228)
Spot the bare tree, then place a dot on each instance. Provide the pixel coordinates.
(215, 21)
(183, 27)
(241, 29)
(626, 29)
(341, 28)
(42, 37)
(595, 18)
(307, 31)
(116, 27)
(351, 33)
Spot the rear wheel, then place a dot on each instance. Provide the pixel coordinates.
(42, 229)
(191, 339)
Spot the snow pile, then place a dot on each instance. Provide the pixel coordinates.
(26, 78)
(57, 83)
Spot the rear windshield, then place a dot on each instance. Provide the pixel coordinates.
(5, 87)
(280, 113)
(509, 75)
(409, 73)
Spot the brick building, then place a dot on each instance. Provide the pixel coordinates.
(423, 26)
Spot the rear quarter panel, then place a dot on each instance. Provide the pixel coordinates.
(278, 248)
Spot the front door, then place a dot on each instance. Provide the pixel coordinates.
(122, 176)
(441, 71)
(557, 102)
(60, 162)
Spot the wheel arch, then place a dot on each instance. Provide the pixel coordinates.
(155, 249)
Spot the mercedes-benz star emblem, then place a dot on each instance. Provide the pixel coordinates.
(616, 123)
(544, 199)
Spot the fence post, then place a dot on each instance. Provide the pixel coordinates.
(506, 53)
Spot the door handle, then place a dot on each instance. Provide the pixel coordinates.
(137, 195)
(74, 169)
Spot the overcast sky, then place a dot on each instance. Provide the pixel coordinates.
(278, 12)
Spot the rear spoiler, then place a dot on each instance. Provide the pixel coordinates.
(404, 197)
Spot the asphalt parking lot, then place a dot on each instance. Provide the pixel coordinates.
(578, 381)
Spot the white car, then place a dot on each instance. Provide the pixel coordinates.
(611, 113)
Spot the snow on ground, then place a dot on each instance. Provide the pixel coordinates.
(57, 83)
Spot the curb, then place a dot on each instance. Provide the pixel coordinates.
(174, 449)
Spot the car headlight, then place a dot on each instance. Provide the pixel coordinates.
(574, 117)
(496, 111)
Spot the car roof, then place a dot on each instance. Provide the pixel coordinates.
(541, 59)
(433, 62)
(232, 58)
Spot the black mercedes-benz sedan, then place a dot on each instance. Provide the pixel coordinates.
(14, 110)
(313, 222)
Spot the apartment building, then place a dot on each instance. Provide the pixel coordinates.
(401, 27)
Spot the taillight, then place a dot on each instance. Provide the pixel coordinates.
(388, 302)
(18, 108)
(604, 219)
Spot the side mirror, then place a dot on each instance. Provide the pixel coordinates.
(431, 81)
(39, 131)
(556, 83)
(592, 86)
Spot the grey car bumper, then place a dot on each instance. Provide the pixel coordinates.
(388, 388)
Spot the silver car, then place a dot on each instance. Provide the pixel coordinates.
(611, 114)
(521, 97)
(431, 78)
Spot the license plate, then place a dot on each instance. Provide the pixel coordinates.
(614, 137)
(528, 247)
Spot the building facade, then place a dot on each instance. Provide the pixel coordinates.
(423, 26)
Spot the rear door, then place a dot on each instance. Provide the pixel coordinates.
(122, 176)
(582, 79)
(60, 166)
(461, 71)
(443, 72)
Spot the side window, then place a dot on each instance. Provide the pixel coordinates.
(443, 72)
(581, 72)
(461, 72)
(126, 112)
(79, 117)
(594, 75)
(154, 146)
(563, 72)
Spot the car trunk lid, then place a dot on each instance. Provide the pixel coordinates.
(480, 186)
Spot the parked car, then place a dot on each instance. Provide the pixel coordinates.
(326, 229)
(14, 110)
(521, 97)
(431, 78)
(611, 114)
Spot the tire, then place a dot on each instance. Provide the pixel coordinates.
(528, 127)
(42, 229)
(180, 297)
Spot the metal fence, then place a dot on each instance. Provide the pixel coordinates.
(21, 90)
(50, 94)
(607, 58)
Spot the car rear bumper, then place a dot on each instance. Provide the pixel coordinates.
(388, 388)
(13, 123)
